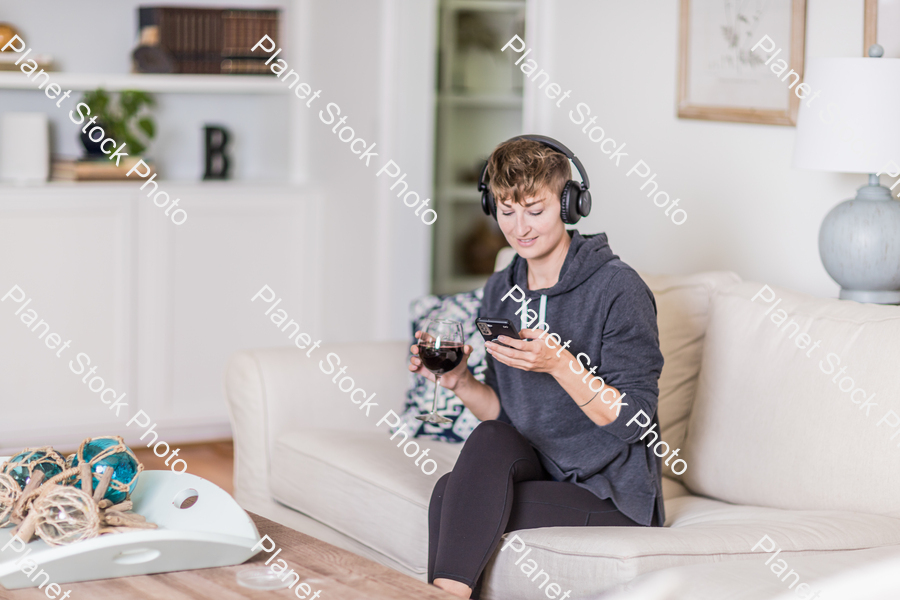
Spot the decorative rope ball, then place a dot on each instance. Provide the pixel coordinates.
(110, 452)
(9, 493)
(64, 515)
(21, 466)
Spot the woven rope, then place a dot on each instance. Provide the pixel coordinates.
(22, 504)
(9, 493)
(72, 476)
(65, 514)
(120, 446)
(51, 456)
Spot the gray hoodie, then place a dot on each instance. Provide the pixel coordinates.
(608, 312)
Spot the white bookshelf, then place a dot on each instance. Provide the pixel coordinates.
(267, 129)
(157, 83)
(475, 112)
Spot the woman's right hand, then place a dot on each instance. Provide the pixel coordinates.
(450, 379)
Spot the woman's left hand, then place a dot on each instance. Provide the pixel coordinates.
(528, 356)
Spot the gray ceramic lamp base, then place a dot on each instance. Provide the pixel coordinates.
(859, 243)
(870, 296)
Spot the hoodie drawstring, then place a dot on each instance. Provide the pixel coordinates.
(541, 314)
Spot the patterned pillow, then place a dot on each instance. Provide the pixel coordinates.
(462, 308)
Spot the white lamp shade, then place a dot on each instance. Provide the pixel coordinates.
(853, 126)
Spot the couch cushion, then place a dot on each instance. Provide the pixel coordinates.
(770, 424)
(363, 487)
(361, 484)
(698, 530)
(682, 305)
(861, 575)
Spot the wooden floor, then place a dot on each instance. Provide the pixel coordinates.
(334, 573)
(213, 461)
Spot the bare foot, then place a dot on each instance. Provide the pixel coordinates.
(454, 587)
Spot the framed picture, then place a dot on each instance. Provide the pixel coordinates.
(721, 78)
(882, 26)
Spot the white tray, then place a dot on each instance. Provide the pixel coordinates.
(214, 532)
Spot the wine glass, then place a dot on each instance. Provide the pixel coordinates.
(441, 351)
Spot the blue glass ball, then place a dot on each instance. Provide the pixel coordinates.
(22, 474)
(123, 464)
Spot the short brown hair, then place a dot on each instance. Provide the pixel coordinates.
(518, 168)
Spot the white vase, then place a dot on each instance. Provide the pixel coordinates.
(24, 147)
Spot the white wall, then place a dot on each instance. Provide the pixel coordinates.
(748, 210)
(378, 67)
(407, 126)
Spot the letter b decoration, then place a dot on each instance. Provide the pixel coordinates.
(217, 163)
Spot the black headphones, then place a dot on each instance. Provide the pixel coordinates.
(575, 200)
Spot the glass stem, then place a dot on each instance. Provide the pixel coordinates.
(437, 384)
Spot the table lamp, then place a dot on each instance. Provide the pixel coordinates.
(853, 126)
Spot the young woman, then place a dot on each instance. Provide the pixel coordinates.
(553, 449)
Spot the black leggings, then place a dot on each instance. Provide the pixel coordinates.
(499, 485)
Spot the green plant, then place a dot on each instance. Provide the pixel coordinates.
(126, 118)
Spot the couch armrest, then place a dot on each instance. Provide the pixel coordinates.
(272, 391)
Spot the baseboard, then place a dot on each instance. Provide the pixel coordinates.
(67, 439)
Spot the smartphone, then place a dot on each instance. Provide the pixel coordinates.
(491, 329)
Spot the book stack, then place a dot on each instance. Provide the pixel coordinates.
(206, 40)
(8, 61)
(92, 169)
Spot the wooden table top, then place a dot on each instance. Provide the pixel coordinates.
(341, 575)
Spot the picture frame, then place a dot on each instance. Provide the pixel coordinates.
(882, 26)
(720, 78)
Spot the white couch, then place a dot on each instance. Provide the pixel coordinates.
(773, 447)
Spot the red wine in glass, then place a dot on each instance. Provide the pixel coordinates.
(441, 351)
(440, 360)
